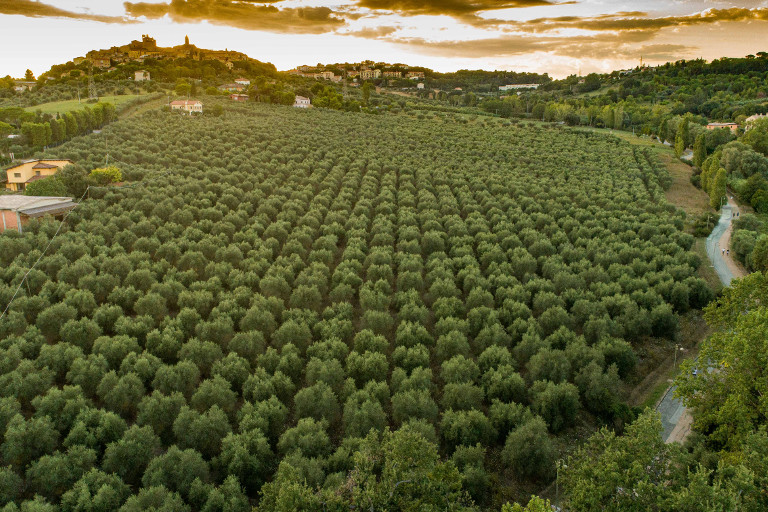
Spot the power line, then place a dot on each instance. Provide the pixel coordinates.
(23, 279)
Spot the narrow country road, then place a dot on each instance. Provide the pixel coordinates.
(714, 250)
(675, 418)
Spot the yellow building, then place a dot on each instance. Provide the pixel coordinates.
(31, 170)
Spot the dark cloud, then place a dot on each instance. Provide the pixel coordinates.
(449, 7)
(41, 10)
(242, 14)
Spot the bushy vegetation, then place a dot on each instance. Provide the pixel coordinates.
(750, 242)
(323, 309)
(722, 465)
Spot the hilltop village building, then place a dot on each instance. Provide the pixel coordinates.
(32, 170)
(370, 74)
(138, 51)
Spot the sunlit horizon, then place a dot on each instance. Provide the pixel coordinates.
(519, 35)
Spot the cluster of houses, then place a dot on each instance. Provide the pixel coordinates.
(361, 72)
(23, 85)
(138, 51)
(240, 85)
(16, 210)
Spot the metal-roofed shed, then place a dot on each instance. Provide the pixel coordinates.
(17, 210)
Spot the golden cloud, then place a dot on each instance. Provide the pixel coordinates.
(242, 14)
(599, 46)
(449, 7)
(623, 21)
(371, 32)
(40, 10)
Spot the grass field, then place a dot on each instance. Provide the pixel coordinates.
(69, 105)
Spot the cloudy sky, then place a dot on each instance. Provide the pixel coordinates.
(555, 36)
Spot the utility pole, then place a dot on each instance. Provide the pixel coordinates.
(92, 86)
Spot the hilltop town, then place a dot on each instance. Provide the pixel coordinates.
(138, 51)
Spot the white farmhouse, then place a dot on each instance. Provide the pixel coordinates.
(141, 76)
(302, 102)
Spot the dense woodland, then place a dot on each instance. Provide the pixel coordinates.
(315, 309)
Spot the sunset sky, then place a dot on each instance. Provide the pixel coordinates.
(558, 37)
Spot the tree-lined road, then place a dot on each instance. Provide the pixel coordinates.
(675, 418)
(714, 250)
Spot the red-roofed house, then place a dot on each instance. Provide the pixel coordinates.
(189, 106)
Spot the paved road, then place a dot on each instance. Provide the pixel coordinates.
(671, 408)
(713, 250)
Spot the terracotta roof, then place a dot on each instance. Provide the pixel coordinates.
(25, 162)
(43, 165)
(185, 102)
(36, 178)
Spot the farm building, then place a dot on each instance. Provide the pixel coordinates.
(17, 210)
(31, 170)
(141, 75)
(189, 106)
(715, 126)
(302, 102)
(238, 97)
